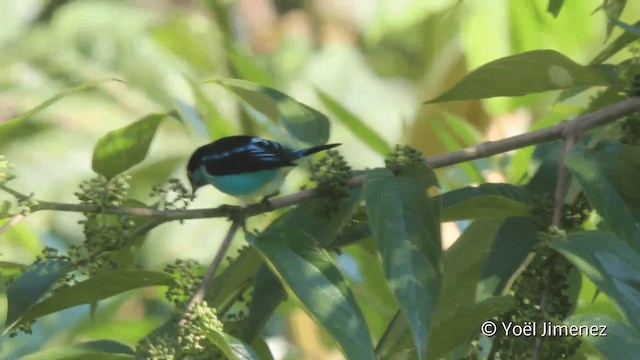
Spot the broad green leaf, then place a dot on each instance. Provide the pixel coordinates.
(404, 222)
(231, 347)
(268, 293)
(301, 121)
(555, 6)
(396, 343)
(10, 269)
(602, 195)
(123, 148)
(94, 350)
(97, 288)
(462, 266)
(618, 44)
(4, 304)
(464, 324)
(262, 348)
(309, 275)
(28, 288)
(358, 127)
(507, 254)
(610, 263)
(234, 279)
(246, 67)
(485, 201)
(620, 342)
(216, 124)
(16, 121)
(521, 74)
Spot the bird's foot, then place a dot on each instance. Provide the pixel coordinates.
(265, 200)
(234, 213)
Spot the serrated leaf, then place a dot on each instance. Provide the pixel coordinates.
(309, 275)
(610, 263)
(301, 121)
(404, 222)
(16, 121)
(94, 350)
(521, 74)
(358, 127)
(231, 347)
(28, 288)
(123, 148)
(602, 195)
(621, 341)
(97, 288)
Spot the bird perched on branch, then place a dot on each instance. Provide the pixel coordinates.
(244, 166)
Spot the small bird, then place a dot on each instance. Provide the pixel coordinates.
(244, 166)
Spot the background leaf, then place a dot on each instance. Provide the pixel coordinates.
(95, 350)
(621, 342)
(231, 347)
(123, 148)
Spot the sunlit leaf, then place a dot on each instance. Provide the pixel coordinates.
(485, 201)
(358, 127)
(621, 341)
(521, 74)
(231, 347)
(618, 44)
(555, 6)
(123, 148)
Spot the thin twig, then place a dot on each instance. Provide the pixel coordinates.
(215, 264)
(12, 222)
(486, 149)
(563, 182)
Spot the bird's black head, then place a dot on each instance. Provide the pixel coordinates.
(196, 180)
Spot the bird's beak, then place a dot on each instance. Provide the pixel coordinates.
(193, 185)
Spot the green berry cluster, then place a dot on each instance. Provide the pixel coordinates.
(541, 295)
(573, 215)
(402, 157)
(192, 336)
(157, 347)
(631, 129)
(331, 174)
(172, 195)
(104, 233)
(186, 278)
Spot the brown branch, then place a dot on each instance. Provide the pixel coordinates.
(486, 149)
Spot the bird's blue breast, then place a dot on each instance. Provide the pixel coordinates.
(246, 184)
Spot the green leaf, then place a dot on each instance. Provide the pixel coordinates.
(396, 343)
(610, 263)
(451, 144)
(405, 224)
(10, 269)
(301, 121)
(309, 275)
(484, 202)
(268, 293)
(4, 303)
(94, 350)
(613, 9)
(215, 123)
(25, 291)
(507, 254)
(618, 44)
(123, 148)
(555, 6)
(234, 279)
(10, 124)
(464, 324)
(247, 69)
(602, 195)
(97, 288)
(621, 342)
(521, 74)
(358, 127)
(231, 347)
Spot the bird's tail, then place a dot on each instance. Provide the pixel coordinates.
(313, 150)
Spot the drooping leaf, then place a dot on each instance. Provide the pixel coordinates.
(610, 263)
(358, 127)
(28, 288)
(464, 324)
(234, 279)
(309, 275)
(485, 201)
(123, 148)
(268, 293)
(620, 342)
(521, 74)
(94, 350)
(404, 222)
(97, 288)
(231, 347)
(246, 68)
(602, 195)
(10, 124)
(507, 254)
(301, 121)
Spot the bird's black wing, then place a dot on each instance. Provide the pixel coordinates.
(243, 154)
